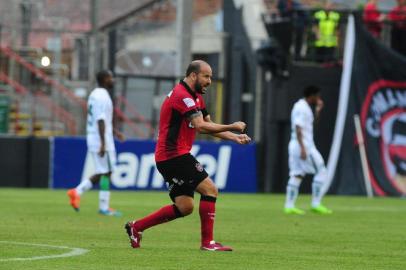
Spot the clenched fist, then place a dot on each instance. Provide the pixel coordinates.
(242, 139)
(239, 126)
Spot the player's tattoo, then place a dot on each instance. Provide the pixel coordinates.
(194, 115)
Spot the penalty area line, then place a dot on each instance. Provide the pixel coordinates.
(73, 252)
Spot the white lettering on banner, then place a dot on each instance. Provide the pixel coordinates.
(147, 164)
(157, 179)
(195, 149)
(124, 172)
(383, 101)
(373, 127)
(222, 170)
(131, 171)
(208, 162)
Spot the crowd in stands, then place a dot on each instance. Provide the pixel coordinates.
(324, 25)
(374, 20)
(316, 30)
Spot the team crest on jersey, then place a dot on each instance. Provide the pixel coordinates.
(199, 167)
(189, 102)
(384, 123)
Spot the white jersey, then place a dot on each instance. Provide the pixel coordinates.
(99, 107)
(302, 116)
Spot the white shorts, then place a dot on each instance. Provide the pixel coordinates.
(313, 163)
(104, 164)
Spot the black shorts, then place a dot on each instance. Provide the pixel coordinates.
(182, 174)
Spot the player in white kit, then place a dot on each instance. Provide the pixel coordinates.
(100, 144)
(304, 158)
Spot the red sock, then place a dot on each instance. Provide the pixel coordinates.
(165, 214)
(207, 211)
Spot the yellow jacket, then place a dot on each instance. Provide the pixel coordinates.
(328, 22)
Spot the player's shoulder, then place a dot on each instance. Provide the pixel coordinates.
(296, 105)
(99, 94)
(180, 94)
(180, 97)
(96, 92)
(179, 91)
(301, 104)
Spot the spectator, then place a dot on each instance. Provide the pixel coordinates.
(397, 16)
(298, 18)
(326, 33)
(373, 18)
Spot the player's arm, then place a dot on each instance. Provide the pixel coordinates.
(99, 114)
(101, 127)
(299, 135)
(319, 107)
(227, 135)
(196, 119)
(118, 134)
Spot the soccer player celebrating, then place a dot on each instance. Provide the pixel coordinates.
(100, 144)
(182, 114)
(304, 158)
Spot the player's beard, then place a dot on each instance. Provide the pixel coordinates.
(110, 90)
(110, 86)
(313, 102)
(199, 88)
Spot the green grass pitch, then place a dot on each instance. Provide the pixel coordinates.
(361, 234)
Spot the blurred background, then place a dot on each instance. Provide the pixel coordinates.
(262, 52)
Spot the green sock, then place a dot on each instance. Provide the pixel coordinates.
(105, 183)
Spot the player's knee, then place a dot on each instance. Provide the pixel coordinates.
(186, 209)
(215, 191)
(322, 171)
(211, 190)
(321, 174)
(95, 178)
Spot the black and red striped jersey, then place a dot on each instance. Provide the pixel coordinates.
(176, 133)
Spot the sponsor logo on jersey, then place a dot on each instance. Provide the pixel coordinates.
(189, 102)
(199, 167)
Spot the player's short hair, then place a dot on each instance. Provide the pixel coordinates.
(101, 75)
(311, 90)
(193, 67)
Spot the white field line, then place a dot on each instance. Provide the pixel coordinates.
(71, 253)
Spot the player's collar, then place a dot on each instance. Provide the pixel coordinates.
(190, 91)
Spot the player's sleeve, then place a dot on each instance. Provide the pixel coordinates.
(298, 117)
(186, 106)
(204, 110)
(99, 109)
